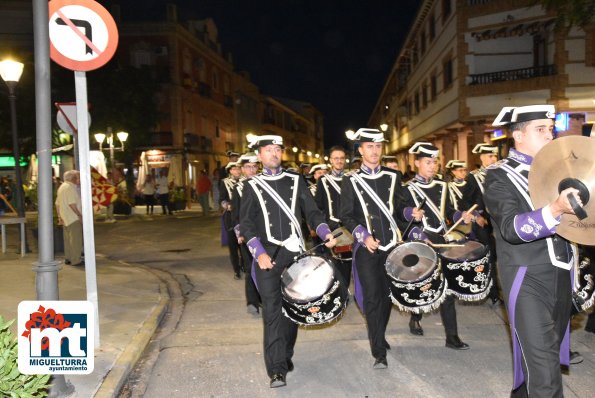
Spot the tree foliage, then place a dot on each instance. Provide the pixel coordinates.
(579, 13)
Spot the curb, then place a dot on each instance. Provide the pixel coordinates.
(127, 360)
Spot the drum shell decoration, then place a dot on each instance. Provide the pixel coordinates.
(586, 282)
(326, 306)
(467, 271)
(417, 295)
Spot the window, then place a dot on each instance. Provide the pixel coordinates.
(416, 102)
(446, 9)
(217, 130)
(447, 73)
(422, 42)
(424, 95)
(431, 26)
(433, 86)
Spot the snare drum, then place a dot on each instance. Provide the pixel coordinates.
(416, 283)
(467, 270)
(343, 248)
(312, 291)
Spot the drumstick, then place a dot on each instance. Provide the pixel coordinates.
(274, 257)
(421, 204)
(459, 220)
(324, 242)
(444, 244)
(369, 220)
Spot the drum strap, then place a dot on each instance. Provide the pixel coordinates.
(431, 205)
(275, 196)
(480, 178)
(379, 203)
(337, 188)
(333, 183)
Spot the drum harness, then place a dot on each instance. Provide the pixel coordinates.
(337, 188)
(275, 196)
(379, 203)
(432, 207)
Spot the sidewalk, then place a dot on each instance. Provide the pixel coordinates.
(132, 301)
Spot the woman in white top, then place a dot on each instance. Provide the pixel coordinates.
(149, 193)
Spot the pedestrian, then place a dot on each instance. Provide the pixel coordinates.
(69, 209)
(273, 204)
(203, 188)
(534, 263)
(372, 190)
(109, 211)
(149, 193)
(162, 186)
(214, 200)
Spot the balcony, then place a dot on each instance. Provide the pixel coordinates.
(162, 139)
(514, 74)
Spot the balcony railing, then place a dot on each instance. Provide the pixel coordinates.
(478, 2)
(514, 74)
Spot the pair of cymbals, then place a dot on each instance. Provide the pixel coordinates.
(567, 162)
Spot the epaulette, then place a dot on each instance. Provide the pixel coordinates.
(497, 165)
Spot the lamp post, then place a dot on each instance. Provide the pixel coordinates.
(11, 72)
(109, 139)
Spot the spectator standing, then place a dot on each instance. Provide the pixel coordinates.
(203, 188)
(163, 192)
(68, 207)
(149, 193)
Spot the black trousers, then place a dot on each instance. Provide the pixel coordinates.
(376, 291)
(485, 236)
(234, 251)
(448, 313)
(252, 296)
(280, 333)
(542, 314)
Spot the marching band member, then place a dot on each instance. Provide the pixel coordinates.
(226, 188)
(232, 157)
(473, 194)
(317, 171)
(534, 263)
(369, 202)
(456, 187)
(390, 162)
(270, 221)
(432, 217)
(328, 199)
(249, 165)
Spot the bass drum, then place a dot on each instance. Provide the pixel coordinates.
(312, 291)
(467, 270)
(416, 283)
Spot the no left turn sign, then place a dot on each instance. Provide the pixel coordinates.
(83, 34)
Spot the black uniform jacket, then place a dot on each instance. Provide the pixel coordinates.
(474, 190)
(328, 198)
(356, 205)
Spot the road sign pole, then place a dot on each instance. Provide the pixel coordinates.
(80, 84)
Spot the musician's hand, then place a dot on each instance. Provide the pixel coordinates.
(332, 242)
(418, 214)
(241, 240)
(562, 205)
(371, 244)
(467, 217)
(481, 221)
(313, 233)
(264, 261)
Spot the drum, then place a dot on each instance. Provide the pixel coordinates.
(416, 283)
(344, 246)
(312, 291)
(467, 270)
(455, 236)
(586, 283)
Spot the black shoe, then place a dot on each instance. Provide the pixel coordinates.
(81, 264)
(415, 328)
(278, 380)
(575, 357)
(290, 366)
(455, 343)
(67, 262)
(380, 363)
(237, 277)
(589, 328)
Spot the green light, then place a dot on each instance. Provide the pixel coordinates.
(8, 161)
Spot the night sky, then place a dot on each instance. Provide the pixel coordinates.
(333, 54)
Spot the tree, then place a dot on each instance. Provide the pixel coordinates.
(579, 13)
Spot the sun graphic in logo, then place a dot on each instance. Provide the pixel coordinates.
(426, 287)
(479, 268)
(313, 310)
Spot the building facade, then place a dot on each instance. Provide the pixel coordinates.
(463, 60)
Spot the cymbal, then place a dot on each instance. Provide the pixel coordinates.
(564, 160)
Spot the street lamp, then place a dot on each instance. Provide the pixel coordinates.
(109, 139)
(384, 127)
(11, 72)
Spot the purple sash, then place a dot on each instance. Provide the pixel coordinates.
(224, 241)
(358, 294)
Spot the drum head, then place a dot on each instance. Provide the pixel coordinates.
(471, 250)
(411, 261)
(307, 279)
